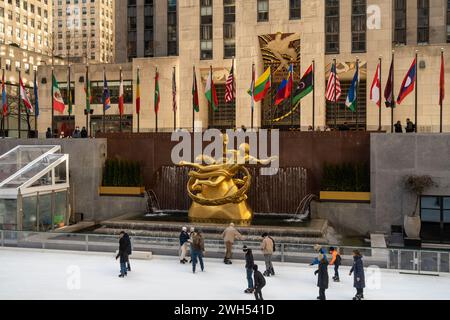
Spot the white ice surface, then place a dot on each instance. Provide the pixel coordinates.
(36, 274)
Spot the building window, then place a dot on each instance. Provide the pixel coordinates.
(131, 27)
(225, 118)
(263, 10)
(172, 28)
(206, 31)
(332, 26)
(359, 19)
(435, 218)
(148, 27)
(400, 22)
(295, 9)
(229, 28)
(423, 21)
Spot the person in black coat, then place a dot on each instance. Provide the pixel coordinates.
(123, 254)
(357, 269)
(129, 251)
(259, 282)
(184, 243)
(322, 279)
(249, 263)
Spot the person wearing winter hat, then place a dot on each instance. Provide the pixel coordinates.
(322, 279)
(336, 262)
(358, 275)
(259, 282)
(249, 262)
(184, 243)
(318, 248)
(229, 235)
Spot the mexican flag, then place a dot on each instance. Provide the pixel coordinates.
(211, 94)
(58, 102)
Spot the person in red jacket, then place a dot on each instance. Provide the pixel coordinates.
(336, 261)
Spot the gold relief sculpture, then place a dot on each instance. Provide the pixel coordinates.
(280, 49)
(218, 194)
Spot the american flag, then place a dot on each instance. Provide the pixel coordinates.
(174, 91)
(230, 92)
(334, 85)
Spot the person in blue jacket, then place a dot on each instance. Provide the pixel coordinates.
(322, 253)
(358, 275)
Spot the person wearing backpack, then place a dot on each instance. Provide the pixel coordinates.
(259, 282)
(336, 261)
(267, 247)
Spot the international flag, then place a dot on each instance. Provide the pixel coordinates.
(442, 82)
(36, 98)
(408, 83)
(195, 101)
(4, 99)
(261, 86)
(352, 98)
(285, 89)
(210, 92)
(174, 91)
(334, 86)
(389, 90)
(121, 106)
(106, 94)
(375, 90)
(138, 93)
(24, 96)
(252, 87)
(87, 90)
(230, 92)
(69, 91)
(157, 93)
(305, 85)
(58, 102)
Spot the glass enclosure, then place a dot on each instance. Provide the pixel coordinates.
(34, 189)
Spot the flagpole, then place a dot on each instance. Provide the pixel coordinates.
(3, 114)
(121, 109)
(19, 115)
(194, 81)
(335, 95)
(441, 97)
(253, 95)
(156, 112)
(139, 113)
(356, 96)
(69, 93)
(104, 101)
(392, 92)
(53, 104)
(380, 59)
(290, 98)
(35, 115)
(173, 102)
(416, 91)
(87, 98)
(314, 96)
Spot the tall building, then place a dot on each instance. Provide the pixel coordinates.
(27, 24)
(84, 30)
(276, 34)
(146, 28)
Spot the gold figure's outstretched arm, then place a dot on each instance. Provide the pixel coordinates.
(212, 182)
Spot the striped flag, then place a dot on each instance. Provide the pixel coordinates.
(24, 96)
(375, 90)
(138, 93)
(230, 92)
(36, 97)
(174, 91)
(4, 99)
(106, 94)
(334, 86)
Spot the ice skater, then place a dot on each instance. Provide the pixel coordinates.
(322, 253)
(191, 234)
(336, 262)
(184, 244)
(198, 249)
(123, 254)
(259, 282)
(322, 277)
(129, 250)
(357, 269)
(229, 235)
(267, 247)
(249, 263)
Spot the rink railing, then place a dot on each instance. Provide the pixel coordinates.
(404, 260)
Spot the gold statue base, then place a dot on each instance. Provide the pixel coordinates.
(238, 213)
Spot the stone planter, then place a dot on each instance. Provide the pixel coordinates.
(339, 196)
(412, 227)
(122, 191)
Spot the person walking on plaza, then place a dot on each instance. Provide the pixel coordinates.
(259, 282)
(122, 254)
(198, 248)
(249, 263)
(129, 250)
(398, 127)
(229, 235)
(322, 277)
(336, 262)
(184, 244)
(267, 247)
(357, 269)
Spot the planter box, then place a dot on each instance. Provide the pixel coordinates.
(339, 196)
(122, 191)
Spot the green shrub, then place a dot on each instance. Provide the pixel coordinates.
(346, 177)
(122, 173)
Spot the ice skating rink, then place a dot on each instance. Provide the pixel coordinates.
(35, 274)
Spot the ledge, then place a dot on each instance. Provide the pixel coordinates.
(339, 196)
(122, 191)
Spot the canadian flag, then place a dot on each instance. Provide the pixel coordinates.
(24, 96)
(375, 90)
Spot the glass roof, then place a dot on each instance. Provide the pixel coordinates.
(20, 157)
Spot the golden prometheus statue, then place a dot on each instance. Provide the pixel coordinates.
(218, 194)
